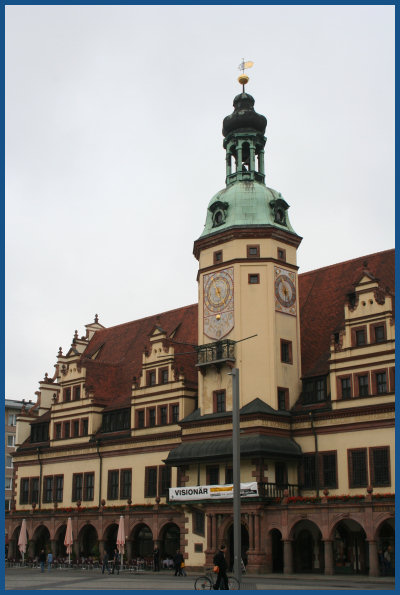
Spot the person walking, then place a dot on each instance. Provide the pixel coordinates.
(219, 560)
(178, 560)
(156, 559)
(42, 560)
(116, 561)
(105, 563)
(49, 561)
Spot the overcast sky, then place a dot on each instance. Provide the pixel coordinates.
(114, 149)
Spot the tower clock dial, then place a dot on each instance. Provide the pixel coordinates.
(218, 303)
(285, 291)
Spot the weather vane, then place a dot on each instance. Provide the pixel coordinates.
(243, 78)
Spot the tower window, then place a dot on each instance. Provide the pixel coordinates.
(281, 254)
(217, 256)
(253, 251)
(283, 399)
(254, 279)
(286, 352)
(219, 401)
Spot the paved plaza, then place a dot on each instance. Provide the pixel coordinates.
(72, 579)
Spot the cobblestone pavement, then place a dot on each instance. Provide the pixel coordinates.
(71, 579)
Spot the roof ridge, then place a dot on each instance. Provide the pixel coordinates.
(346, 261)
(147, 317)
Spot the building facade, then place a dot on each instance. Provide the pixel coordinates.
(138, 408)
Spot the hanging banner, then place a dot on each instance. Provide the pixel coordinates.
(211, 492)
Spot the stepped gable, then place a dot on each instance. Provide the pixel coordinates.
(120, 349)
(323, 293)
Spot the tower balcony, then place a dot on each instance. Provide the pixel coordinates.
(217, 354)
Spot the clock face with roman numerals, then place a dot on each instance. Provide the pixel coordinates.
(285, 291)
(218, 316)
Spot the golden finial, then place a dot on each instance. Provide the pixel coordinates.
(243, 78)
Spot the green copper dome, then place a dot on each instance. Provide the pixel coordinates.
(246, 204)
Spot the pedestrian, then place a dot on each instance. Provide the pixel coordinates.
(49, 561)
(219, 560)
(116, 560)
(42, 560)
(156, 559)
(387, 558)
(105, 563)
(178, 560)
(381, 562)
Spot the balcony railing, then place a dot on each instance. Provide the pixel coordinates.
(273, 490)
(215, 353)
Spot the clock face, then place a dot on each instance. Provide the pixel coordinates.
(218, 319)
(285, 291)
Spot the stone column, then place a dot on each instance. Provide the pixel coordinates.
(257, 543)
(214, 531)
(209, 532)
(251, 531)
(373, 558)
(129, 549)
(328, 556)
(287, 557)
(53, 547)
(252, 161)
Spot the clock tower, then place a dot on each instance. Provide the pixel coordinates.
(247, 278)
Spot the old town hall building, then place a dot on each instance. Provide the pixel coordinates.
(136, 409)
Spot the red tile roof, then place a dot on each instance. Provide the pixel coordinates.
(121, 348)
(322, 295)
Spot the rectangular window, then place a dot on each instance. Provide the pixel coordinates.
(165, 480)
(67, 394)
(381, 386)
(346, 388)
(379, 466)
(286, 352)
(77, 393)
(12, 419)
(217, 256)
(8, 483)
(220, 401)
(283, 399)
(163, 415)
(24, 491)
(329, 467)
(88, 493)
(34, 490)
(164, 376)
(113, 485)
(11, 440)
(152, 417)
(212, 474)
(228, 475)
(198, 522)
(358, 473)
(379, 333)
(281, 254)
(151, 378)
(126, 483)
(9, 462)
(150, 487)
(360, 337)
(309, 471)
(77, 481)
(363, 389)
(314, 390)
(140, 418)
(321, 389)
(253, 251)
(58, 431)
(59, 484)
(48, 489)
(76, 427)
(67, 429)
(85, 427)
(175, 414)
(254, 279)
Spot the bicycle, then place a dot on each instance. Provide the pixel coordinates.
(207, 582)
